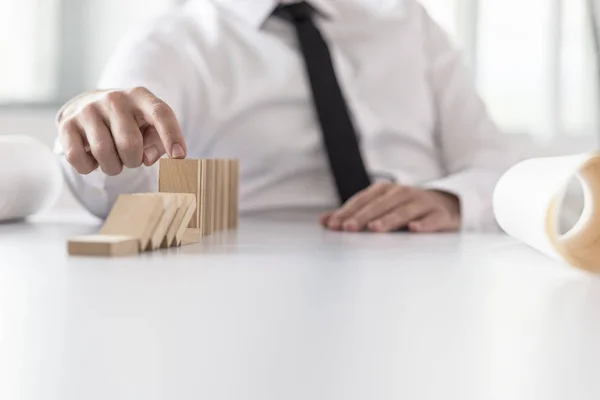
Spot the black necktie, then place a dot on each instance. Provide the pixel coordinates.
(339, 134)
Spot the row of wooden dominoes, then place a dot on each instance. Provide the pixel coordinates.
(214, 182)
(197, 198)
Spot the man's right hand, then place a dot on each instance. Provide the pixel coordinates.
(117, 128)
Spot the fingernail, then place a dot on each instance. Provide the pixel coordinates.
(151, 154)
(177, 151)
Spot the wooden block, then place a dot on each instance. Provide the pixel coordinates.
(169, 202)
(183, 226)
(191, 236)
(181, 176)
(135, 216)
(185, 201)
(169, 238)
(219, 188)
(235, 193)
(103, 245)
(210, 196)
(202, 201)
(226, 190)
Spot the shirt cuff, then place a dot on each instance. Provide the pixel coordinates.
(472, 206)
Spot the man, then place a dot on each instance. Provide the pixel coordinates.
(361, 108)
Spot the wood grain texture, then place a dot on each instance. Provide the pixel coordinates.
(210, 195)
(184, 202)
(180, 176)
(226, 194)
(134, 215)
(169, 201)
(103, 245)
(219, 189)
(191, 236)
(235, 193)
(183, 225)
(203, 199)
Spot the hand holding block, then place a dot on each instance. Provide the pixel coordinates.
(103, 245)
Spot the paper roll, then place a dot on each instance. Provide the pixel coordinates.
(30, 177)
(527, 202)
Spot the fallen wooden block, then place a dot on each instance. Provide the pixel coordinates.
(191, 236)
(160, 230)
(183, 226)
(186, 205)
(135, 216)
(103, 245)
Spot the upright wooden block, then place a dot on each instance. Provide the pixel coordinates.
(185, 203)
(220, 194)
(170, 207)
(203, 200)
(103, 245)
(210, 195)
(234, 193)
(135, 216)
(226, 193)
(181, 176)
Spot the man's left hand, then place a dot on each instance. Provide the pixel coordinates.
(386, 207)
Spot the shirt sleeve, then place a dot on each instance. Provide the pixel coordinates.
(473, 151)
(138, 61)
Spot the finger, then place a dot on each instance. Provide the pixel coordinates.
(124, 128)
(324, 220)
(159, 114)
(432, 222)
(357, 202)
(100, 141)
(385, 203)
(153, 147)
(71, 140)
(401, 216)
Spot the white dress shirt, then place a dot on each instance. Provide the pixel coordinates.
(235, 77)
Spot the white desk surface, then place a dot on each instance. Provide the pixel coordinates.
(283, 310)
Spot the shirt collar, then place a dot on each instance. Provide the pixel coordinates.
(256, 12)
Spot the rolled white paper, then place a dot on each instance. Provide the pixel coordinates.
(527, 203)
(30, 177)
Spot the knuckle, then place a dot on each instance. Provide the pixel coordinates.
(114, 99)
(88, 112)
(160, 110)
(139, 91)
(73, 157)
(131, 144)
(68, 125)
(380, 186)
(102, 148)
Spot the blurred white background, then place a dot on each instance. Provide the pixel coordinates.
(534, 61)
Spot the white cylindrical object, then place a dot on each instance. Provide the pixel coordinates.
(527, 202)
(30, 177)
